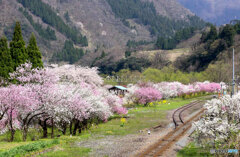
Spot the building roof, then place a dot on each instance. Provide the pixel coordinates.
(119, 87)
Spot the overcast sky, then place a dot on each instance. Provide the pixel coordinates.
(217, 7)
(214, 9)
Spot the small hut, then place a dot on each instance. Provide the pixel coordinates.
(118, 90)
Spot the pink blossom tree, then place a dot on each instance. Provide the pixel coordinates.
(84, 84)
(57, 96)
(42, 83)
(20, 104)
(146, 95)
(78, 74)
(115, 104)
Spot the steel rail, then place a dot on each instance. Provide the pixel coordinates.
(169, 139)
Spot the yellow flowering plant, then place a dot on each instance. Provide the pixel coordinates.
(151, 104)
(123, 121)
(109, 132)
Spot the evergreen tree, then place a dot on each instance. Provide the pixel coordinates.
(213, 35)
(228, 35)
(66, 16)
(5, 59)
(103, 54)
(127, 54)
(237, 28)
(69, 53)
(160, 42)
(203, 37)
(17, 47)
(35, 56)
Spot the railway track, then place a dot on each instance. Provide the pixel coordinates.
(181, 127)
(177, 115)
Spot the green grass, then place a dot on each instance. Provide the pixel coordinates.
(68, 151)
(176, 103)
(4, 146)
(28, 148)
(140, 118)
(68, 148)
(192, 151)
(33, 135)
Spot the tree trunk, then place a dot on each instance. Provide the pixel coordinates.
(11, 126)
(43, 124)
(70, 128)
(80, 128)
(64, 129)
(12, 135)
(85, 124)
(52, 134)
(25, 131)
(76, 126)
(44, 127)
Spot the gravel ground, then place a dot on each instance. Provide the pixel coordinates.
(123, 146)
(131, 145)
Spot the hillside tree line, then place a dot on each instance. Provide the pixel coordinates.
(49, 16)
(212, 44)
(145, 13)
(47, 33)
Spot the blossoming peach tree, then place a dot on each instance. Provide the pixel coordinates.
(148, 92)
(220, 123)
(72, 96)
(57, 96)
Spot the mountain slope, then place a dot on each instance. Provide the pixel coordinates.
(104, 28)
(171, 9)
(10, 13)
(145, 12)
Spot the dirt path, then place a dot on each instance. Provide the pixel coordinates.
(122, 146)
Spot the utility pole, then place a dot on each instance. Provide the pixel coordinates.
(233, 81)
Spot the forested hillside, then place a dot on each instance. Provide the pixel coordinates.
(171, 43)
(146, 14)
(215, 45)
(48, 16)
(68, 53)
(78, 31)
(48, 33)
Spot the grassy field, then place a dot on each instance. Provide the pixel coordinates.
(191, 150)
(172, 55)
(138, 118)
(8, 145)
(68, 151)
(67, 147)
